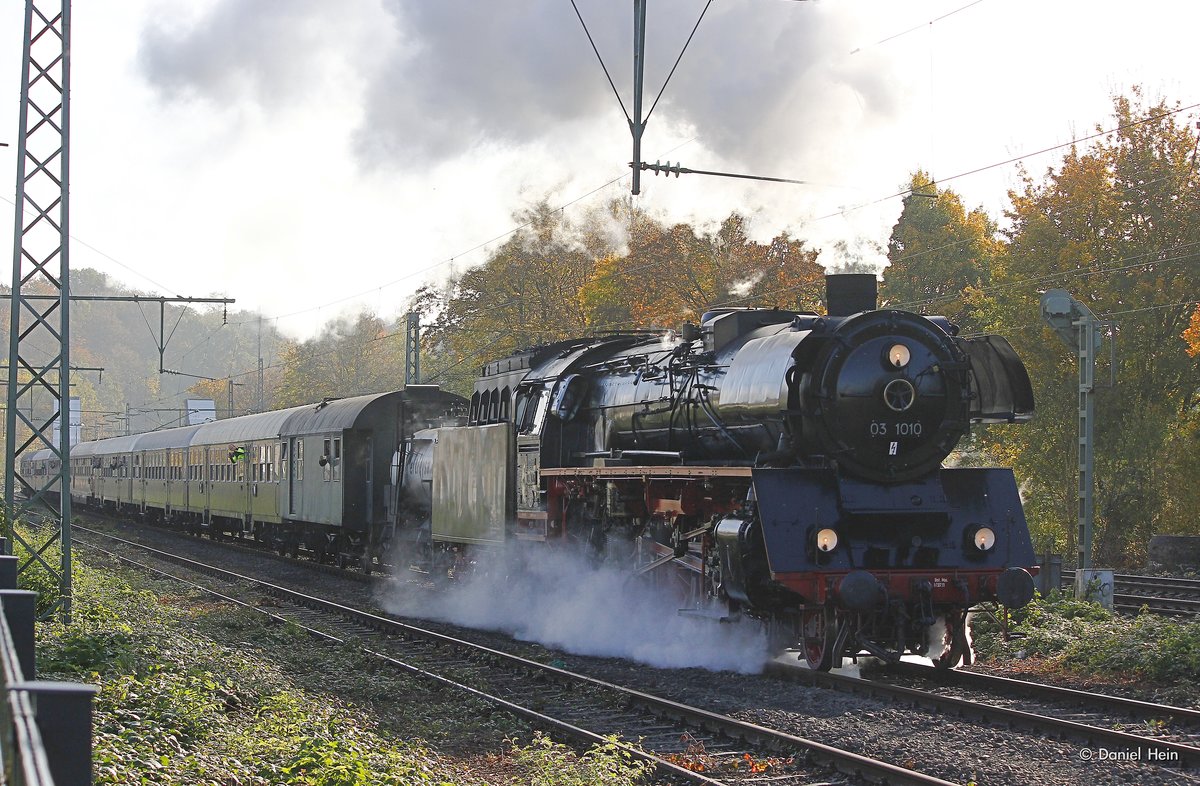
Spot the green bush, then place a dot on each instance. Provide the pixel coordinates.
(547, 763)
(1085, 637)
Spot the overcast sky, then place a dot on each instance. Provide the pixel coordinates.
(295, 154)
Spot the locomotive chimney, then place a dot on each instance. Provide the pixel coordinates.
(850, 293)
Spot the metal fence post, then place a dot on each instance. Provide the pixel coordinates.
(64, 718)
(20, 610)
(8, 570)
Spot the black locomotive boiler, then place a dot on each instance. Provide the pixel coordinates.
(778, 465)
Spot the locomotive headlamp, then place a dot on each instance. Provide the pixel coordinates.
(984, 539)
(827, 540)
(898, 356)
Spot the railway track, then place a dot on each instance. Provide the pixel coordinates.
(1160, 594)
(1152, 733)
(676, 737)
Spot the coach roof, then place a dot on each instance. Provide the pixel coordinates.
(248, 428)
(331, 416)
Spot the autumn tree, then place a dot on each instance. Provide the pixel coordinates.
(528, 292)
(673, 274)
(1191, 336)
(353, 356)
(1117, 225)
(939, 254)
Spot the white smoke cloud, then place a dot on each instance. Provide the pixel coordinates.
(569, 603)
(266, 55)
(764, 83)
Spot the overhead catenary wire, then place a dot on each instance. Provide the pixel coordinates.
(921, 26)
(1016, 159)
(613, 181)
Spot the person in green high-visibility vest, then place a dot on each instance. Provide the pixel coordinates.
(236, 453)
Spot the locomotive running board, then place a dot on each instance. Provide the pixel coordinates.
(714, 616)
(644, 471)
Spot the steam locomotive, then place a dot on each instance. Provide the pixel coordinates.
(779, 465)
(770, 464)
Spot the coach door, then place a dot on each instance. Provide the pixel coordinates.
(294, 457)
(368, 504)
(207, 476)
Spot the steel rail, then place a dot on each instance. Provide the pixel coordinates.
(1165, 752)
(1142, 710)
(844, 761)
(1192, 585)
(1182, 607)
(1166, 595)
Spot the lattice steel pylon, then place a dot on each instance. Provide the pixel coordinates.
(412, 348)
(39, 334)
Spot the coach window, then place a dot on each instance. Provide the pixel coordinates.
(283, 460)
(336, 459)
(473, 416)
(505, 398)
(326, 460)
